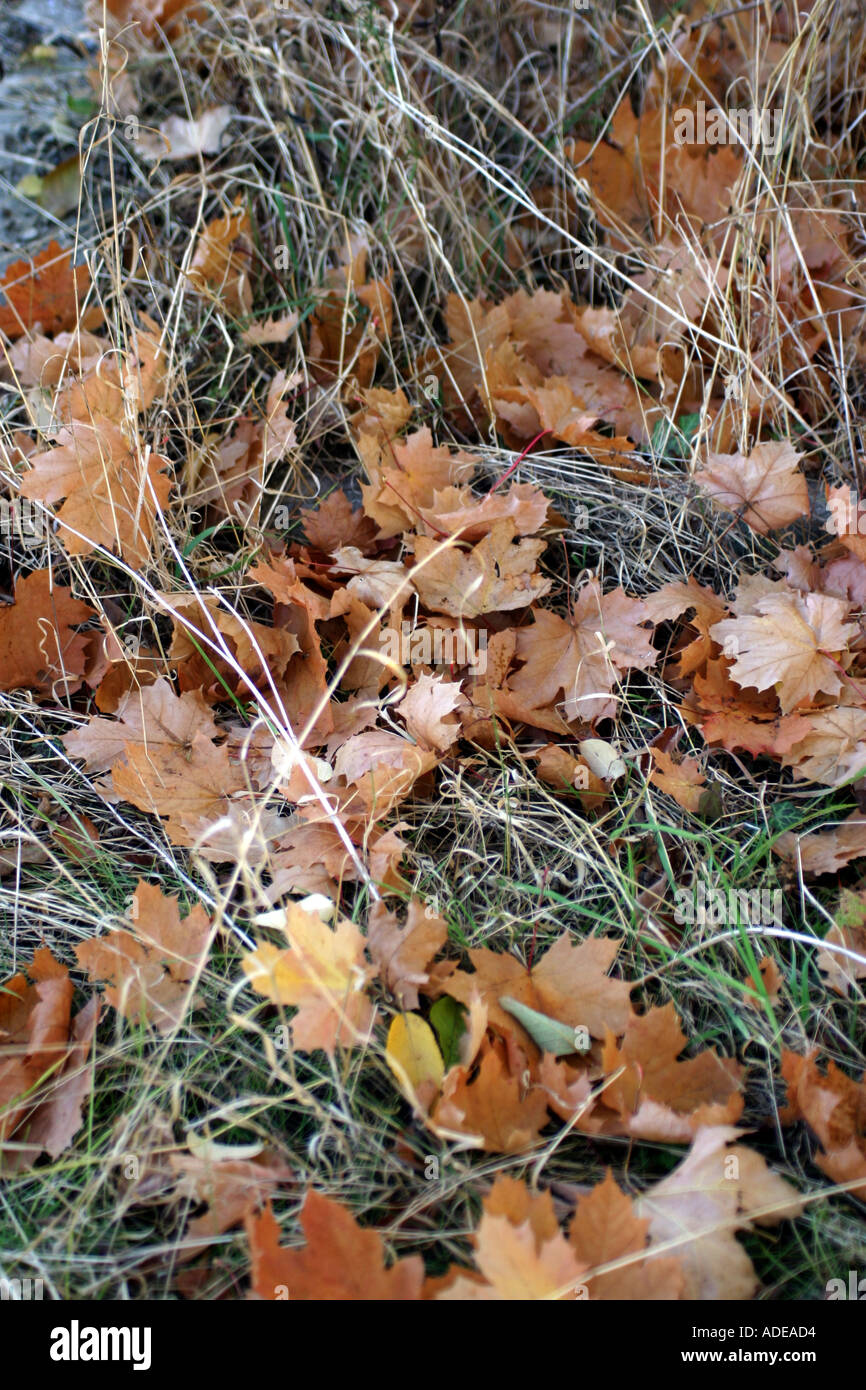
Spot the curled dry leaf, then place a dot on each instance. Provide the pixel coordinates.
(834, 1107)
(45, 1075)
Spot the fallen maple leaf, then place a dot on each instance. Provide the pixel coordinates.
(188, 785)
(834, 749)
(46, 293)
(682, 780)
(427, 709)
(659, 1097)
(334, 523)
(271, 330)
(44, 1071)
(150, 969)
(742, 718)
(323, 974)
(340, 344)
(402, 954)
(606, 1229)
(764, 487)
(696, 1210)
(834, 1107)
(519, 1251)
(494, 1111)
(154, 717)
(340, 1261)
(569, 984)
(113, 493)
(792, 642)
(494, 576)
(576, 662)
(39, 650)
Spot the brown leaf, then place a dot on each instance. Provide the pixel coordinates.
(428, 708)
(231, 1187)
(792, 642)
(322, 972)
(493, 1111)
(575, 663)
(220, 265)
(154, 717)
(149, 969)
(569, 984)
(659, 1097)
(44, 1070)
(605, 1228)
(403, 954)
(112, 492)
(765, 487)
(494, 576)
(45, 293)
(519, 1250)
(825, 852)
(682, 780)
(848, 931)
(834, 1107)
(711, 1194)
(339, 1262)
(38, 648)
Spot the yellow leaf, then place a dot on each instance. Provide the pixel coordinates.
(413, 1055)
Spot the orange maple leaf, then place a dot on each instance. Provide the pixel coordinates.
(112, 492)
(152, 968)
(39, 649)
(340, 1261)
(46, 293)
(322, 973)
